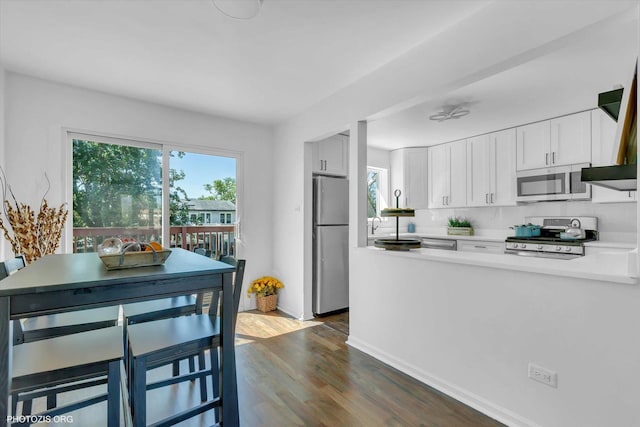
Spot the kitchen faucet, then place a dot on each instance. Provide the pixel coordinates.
(373, 222)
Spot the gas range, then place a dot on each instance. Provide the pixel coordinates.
(550, 244)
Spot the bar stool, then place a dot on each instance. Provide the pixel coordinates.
(41, 329)
(166, 341)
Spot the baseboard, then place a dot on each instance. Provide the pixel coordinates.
(470, 399)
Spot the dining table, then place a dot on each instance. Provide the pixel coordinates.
(68, 282)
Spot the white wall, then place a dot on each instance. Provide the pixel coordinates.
(471, 332)
(378, 158)
(37, 112)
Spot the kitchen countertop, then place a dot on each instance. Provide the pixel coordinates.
(591, 267)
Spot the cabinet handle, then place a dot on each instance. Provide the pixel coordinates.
(321, 164)
(447, 200)
(480, 247)
(553, 158)
(491, 198)
(442, 200)
(546, 159)
(325, 165)
(486, 198)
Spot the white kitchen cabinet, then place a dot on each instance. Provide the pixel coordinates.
(561, 141)
(330, 156)
(603, 153)
(533, 145)
(486, 246)
(571, 139)
(409, 174)
(491, 170)
(448, 175)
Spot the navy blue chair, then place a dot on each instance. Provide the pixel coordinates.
(167, 341)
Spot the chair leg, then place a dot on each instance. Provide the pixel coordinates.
(26, 407)
(139, 392)
(52, 401)
(14, 404)
(215, 378)
(192, 364)
(113, 394)
(176, 368)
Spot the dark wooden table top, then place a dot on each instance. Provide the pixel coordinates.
(74, 271)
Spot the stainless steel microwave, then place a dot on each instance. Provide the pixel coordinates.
(556, 183)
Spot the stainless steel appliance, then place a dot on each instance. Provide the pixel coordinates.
(556, 183)
(560, 237)
(330, 244)
(434, 243)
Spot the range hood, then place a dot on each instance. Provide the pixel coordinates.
(618, 177)
(622, 176)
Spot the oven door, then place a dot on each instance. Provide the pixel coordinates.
(544, 184)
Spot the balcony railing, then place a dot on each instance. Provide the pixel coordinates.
(214, 239)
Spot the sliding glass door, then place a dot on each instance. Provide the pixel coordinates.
(124, 189)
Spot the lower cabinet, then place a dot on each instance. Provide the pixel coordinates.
(487, 246)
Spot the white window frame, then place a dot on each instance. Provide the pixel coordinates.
(383, 190)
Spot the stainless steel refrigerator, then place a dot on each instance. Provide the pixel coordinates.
(330, 244)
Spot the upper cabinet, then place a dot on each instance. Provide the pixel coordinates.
(491, 169)
(448, 175)
(561, 141)
(330, 156)
(603, 131)
(409, 168)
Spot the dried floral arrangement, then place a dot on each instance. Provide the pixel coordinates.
(30, 235)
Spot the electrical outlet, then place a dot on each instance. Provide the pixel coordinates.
(543, 375)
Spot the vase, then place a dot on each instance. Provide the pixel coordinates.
(267, 303)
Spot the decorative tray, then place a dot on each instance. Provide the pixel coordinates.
(135, 259)
(118, 255)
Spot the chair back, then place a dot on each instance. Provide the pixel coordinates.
(200, 251)
(237, 281)
(7, 268)
(10, 266)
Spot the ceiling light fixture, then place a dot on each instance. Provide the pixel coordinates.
(450, 112)
(239, 9)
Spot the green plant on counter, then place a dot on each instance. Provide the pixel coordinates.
(459, 222)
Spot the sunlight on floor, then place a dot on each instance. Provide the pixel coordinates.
(253, 325)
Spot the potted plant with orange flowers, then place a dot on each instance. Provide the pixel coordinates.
(266, 290)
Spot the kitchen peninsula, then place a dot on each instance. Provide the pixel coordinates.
(473, 323)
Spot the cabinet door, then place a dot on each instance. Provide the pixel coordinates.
(416, 178)
(478, 170)
(571, 139)
(458, 175)
(334, 152)
(533, 143)
(439, 184)
(316, 162)
(603, 153)
(396, 172)
(503, 168)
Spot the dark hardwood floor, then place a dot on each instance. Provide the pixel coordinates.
(293, 373)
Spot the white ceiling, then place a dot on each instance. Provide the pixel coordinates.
(564, 81)
(185, 53)
(296, 53)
